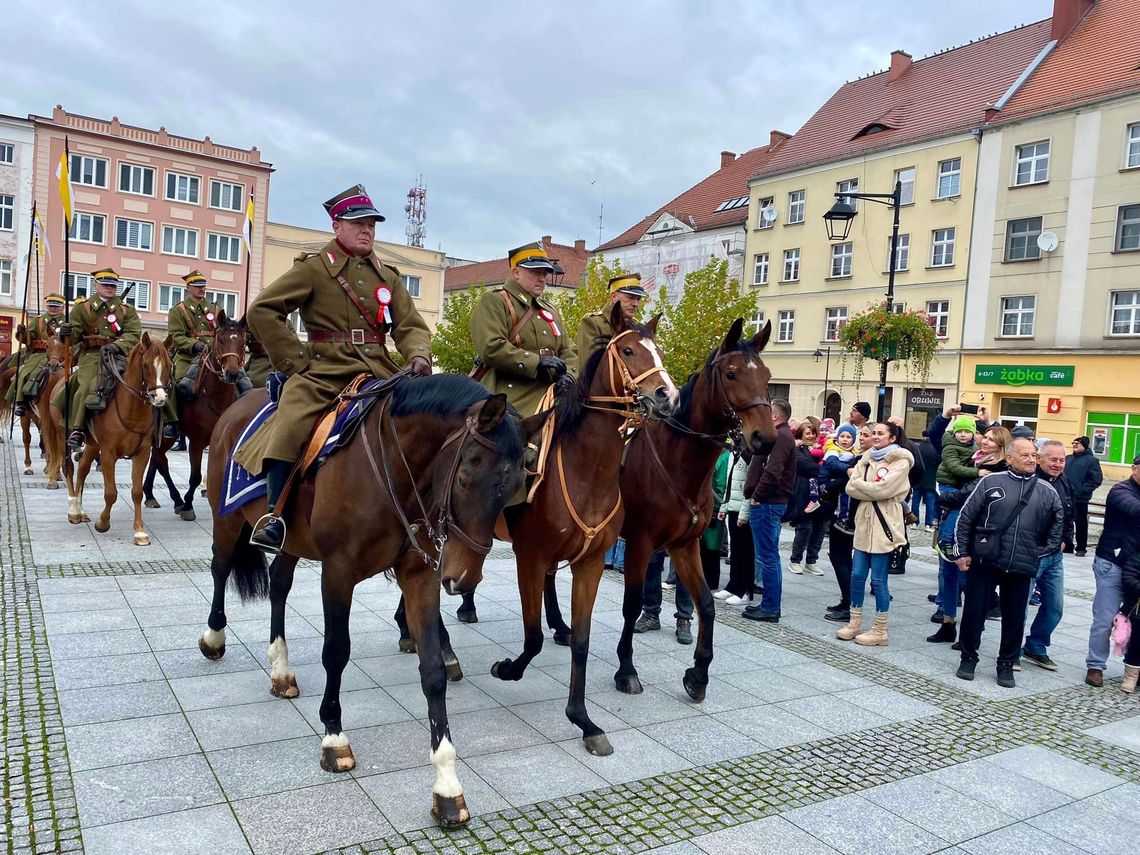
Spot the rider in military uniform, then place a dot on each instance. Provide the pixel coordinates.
(102, 322)
(349, 301)
(33, 370)
(625, 289)
(257, 366)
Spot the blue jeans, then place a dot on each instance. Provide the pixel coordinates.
(950, 582)
(1106, 603)
(946, 527)
(615, 555)
(1051, 580)
(875, 563)
(651, 597)
(765, 522)
(930, 498)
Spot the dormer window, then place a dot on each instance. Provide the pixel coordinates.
(873, 128)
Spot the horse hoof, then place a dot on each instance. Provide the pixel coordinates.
(285, 687)
(102, 528)
(179, 508)
(141, 538)
(449, 812)
(52, 485)
(28, 470)
(211, 653)
(562, 639)
(152, 503)
(188, 515)
(75, 519)
(628, 684)
(85, 518)
(454, 671)
(407, 645)
(695, 689)
(467, 616)
(336, 755)
(502, 670)
(599, 745)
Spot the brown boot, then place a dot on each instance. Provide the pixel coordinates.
(1095, 678)
(1131, 674)
(854, 626)
(876, 636)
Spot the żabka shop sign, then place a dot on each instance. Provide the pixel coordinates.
(1025, 375)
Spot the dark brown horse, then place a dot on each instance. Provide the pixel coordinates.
(576, 513)
(124, 430)
(221, 367)
(39, 412)
(415, 493)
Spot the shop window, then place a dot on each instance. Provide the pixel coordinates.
(1115, 436)
(1018, 412)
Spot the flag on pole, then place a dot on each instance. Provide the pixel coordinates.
(39, 236)
(63, 173)
(247, 226)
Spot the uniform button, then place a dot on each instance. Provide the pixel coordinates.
(367, 350)
(359, 281)
(362, 317)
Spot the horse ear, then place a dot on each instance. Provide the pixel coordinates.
(489, 413)
(653, 322)
(733, 338)
(146, 339)
(241, 323)
(760, 340)
(617, 318)
(167, 342)
(532, 425)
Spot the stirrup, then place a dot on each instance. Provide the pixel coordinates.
(76, 439)
(258, 528)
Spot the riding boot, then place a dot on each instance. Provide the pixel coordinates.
(243, 383)
(170, 431)
(185, 387)
(271, 537)
(76, 438)
(21, 410)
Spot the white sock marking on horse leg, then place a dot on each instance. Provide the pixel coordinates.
(279, 659)
(446, 782)
(73, 506)
(215, 638)
(334, 740)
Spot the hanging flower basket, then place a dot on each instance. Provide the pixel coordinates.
(905, 337)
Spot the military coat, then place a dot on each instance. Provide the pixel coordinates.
(594, 326)
(514, 364)
(188, 323)
(95, 322)
(35, 357)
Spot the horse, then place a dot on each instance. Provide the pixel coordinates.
(221, 367)
(413, 494)
(39, 412)
(125, 429)
(575, 512)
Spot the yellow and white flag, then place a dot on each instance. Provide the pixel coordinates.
(63, 173)
(39, 235)
(247, 226)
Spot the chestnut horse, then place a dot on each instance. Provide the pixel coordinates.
(221, 367)
(414, 493)
(39, 414)
(576, 512)
(124, 430)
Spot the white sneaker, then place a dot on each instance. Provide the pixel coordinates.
(798, 569)
(734, 600)
(930, 528)
(722, 595)
(668, 586)
(814, 570)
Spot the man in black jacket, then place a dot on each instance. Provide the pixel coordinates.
(1083, 471)
(769, 487)
(1021, 516)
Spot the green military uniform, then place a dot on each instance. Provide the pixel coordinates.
(34, 360)
(594, 326)
(597, 324)
(257, 366)
(189, 323)
(94, 323)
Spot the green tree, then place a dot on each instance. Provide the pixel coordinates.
(451, 343)
(697, 323)
(591, 295)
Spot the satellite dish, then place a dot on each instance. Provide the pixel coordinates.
(768, 214)
(1047, 241)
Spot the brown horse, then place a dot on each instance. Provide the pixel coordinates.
(124, 430)
(39, 412)
(221, 367)
(414, 493)
(576, 513)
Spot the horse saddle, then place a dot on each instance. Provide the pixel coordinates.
(112, 364)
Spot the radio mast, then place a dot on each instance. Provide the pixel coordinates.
(416, 209)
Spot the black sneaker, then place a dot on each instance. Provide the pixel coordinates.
(839, 616)
(647, 623)
(932, 598)
(1005, 675)
(994, 613)
(838, 607)
(946, 633)
(270, 537)
(966, 670)
(757, 613)
(684, 632)
(1042, 661)
(1080, 553)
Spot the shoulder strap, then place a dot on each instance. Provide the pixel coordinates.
(1017, 510)
(517, 323)
(186, 312)
(376, 328)
(883, 522)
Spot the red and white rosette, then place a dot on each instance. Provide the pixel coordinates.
(881, 473)
(113, 320)
(384, 298)
(211, 320)
(548, 316)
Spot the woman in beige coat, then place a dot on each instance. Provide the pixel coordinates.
(879, 481)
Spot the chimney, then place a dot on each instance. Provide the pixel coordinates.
(580, 246)
(1067, 14)
(546, 242)
(776, 138)
(900, 62)
(727, 157)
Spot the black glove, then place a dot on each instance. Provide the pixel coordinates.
(199, 346)
(110, 348)
(550, 368)
(420, 367)
(64, 331)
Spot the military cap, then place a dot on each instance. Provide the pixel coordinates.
(531, 256)
(105, 276)
(353, 204)
(54, 299)
(627, 283)
(194, 278)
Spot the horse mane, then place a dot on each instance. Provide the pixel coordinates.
(448, 396)
(685, 409)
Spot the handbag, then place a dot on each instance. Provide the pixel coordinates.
(986, 543)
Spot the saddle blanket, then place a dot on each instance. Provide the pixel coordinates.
(240, 486)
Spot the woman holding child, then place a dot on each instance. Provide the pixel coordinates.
(804, 511)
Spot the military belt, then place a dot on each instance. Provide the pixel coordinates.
(202, 334)
(90, 341)
(354, 336)
(39, 344)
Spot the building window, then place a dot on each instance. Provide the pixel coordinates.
(7, 213)
(136, 179)
(851, 186)
(179, 241)
(1132, 148)
(1017, 316)
(1021, 239)
(89, 171)
(836, 320)
(1125, 313)
(906, 178)
(897, 307)
(295, 323)
(5, 277)
(182, 188)
(942, 252)
(170, 296)
(88, 228)
(228, 197)
(1031, 163)
(938, 311)
(797, 201)
(902, 254)
(791, 265)
(949, 178)
(760, 268)
(225, 248)
(7, 153)
(787, 326)
(139, 297)
(1127, 228)
(841, 255)
(134, 234)
(412, 283)
(761, 204)
(226, 299)
(80, 284)
(756, 321)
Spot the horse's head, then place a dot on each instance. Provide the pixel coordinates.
(150, 358)
(480, 468)
(228, 352)
(636, 356)
(56, 354)
(742, 378)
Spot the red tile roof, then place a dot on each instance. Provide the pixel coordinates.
(700, 201)
(572, 259)
(1099, 58)
(940, 95)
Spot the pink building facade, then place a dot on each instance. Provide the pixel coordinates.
(153, 206)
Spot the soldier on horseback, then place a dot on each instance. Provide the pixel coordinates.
(26, 387)
(625, 289)
(349, 301)
(104, 328)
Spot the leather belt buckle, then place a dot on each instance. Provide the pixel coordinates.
(358, 336)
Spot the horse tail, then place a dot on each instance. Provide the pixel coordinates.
(248, 568)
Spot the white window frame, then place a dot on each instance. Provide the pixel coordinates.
(241, 196)
(7, 153)
(835, 318)
(7, 212)
(939, 317)
(1132, 309)
(414, 292)
(1132, 146)
(794, 263)
(82, 284)
(786, 326)
(92, 218)
(1030, 154)
(77, 174)
(6, 277)
(173, 230)
(142, 286)
(949, 171)
(902, 262)
(760, 264)
(756, 321)
(228, 300)
(761, 204)
(946, 243)
(851, 185)
(141, 171)
(214, 241)
(842, 254)
(191, 180)
(797, 207)
(1018, 313)
(907, 197)
(1123, 221)
(128, 245)
(170, 291)
(1021, 230)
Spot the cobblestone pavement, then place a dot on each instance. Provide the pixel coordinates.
(119, 737)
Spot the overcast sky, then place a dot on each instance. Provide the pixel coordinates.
(524, 118)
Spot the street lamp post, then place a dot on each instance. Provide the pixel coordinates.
(838, 222)
(816, 357)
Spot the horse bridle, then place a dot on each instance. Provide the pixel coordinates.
(213, 362)
(729, 409)
(145, 393)
(627, 402)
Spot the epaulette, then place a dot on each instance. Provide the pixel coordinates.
(391, 267)
(304, 256)
(78, 300)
